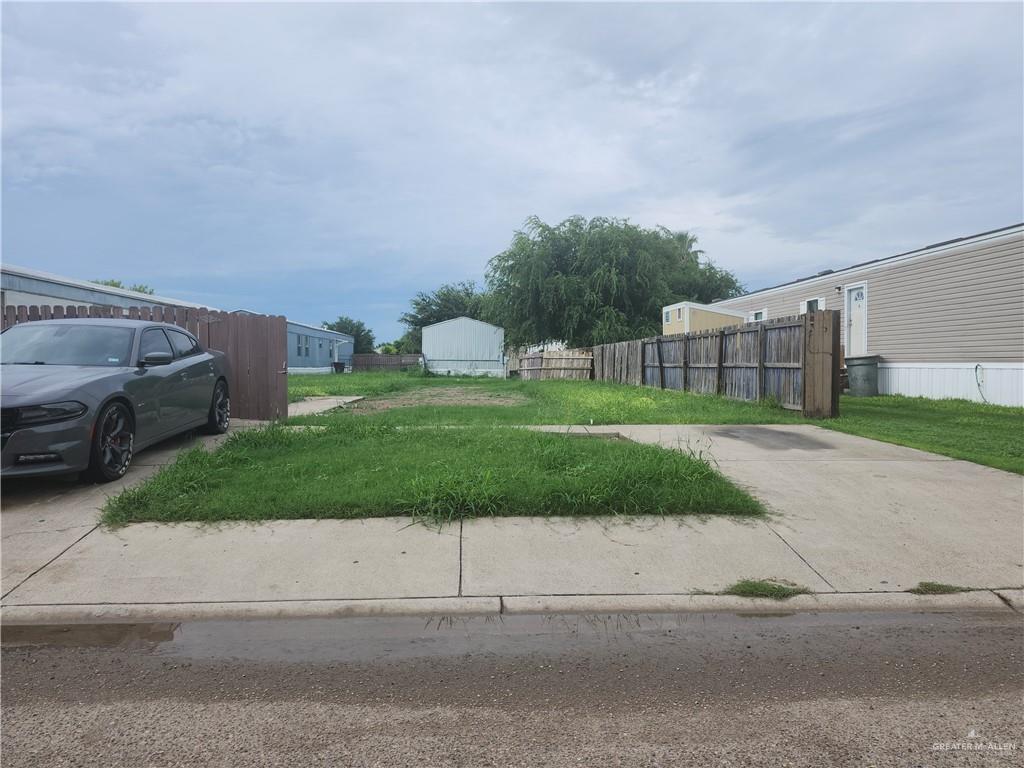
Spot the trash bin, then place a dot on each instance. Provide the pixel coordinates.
(339, 367)
(863, 375)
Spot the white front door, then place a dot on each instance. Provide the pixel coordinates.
(856, 321)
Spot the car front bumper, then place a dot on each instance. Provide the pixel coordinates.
(69, 440)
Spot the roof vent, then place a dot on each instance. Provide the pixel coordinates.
(825, 272)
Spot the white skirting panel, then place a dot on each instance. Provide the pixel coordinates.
(1000, 383)
(313, 370)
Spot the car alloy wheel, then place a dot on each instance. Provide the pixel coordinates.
(116, 440)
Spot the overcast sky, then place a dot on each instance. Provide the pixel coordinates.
(317, 160)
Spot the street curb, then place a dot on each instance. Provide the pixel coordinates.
(982, 600)
(849, 602)
(135, 613)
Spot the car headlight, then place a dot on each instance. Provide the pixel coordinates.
(43, 414)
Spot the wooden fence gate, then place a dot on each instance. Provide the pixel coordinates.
(256, 347)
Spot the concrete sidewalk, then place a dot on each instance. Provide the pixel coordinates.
(850, 517)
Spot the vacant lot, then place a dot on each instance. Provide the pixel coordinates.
(985, 434)
(363, 469)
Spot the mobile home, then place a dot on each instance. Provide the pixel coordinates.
(946, 320)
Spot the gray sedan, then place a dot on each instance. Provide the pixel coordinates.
(85, 395)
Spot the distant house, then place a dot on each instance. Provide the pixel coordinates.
(312, 349)
(20, 286)
(689, 316)
(946, 320)
(463, 346)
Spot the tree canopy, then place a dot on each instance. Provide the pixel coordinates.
(598, 281)
(448, 301)
(137, 287)
(363, 336)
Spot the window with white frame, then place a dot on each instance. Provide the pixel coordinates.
(668, 315)
(679, 314)
(812, 305)
(758, 316)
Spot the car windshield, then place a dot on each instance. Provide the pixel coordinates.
(66, 344)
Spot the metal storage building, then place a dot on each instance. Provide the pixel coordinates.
(463, 346)
(946, 320)
(315, 350)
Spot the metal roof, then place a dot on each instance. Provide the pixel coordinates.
(71, 282)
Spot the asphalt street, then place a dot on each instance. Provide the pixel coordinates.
(700, 689)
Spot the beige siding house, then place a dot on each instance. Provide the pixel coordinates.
(946, 320)
(688, 317)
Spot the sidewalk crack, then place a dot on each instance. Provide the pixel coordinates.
(461, 524)
(44, 565)
(802, 558)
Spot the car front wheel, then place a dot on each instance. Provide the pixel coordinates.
(220, 410)
(113, 442)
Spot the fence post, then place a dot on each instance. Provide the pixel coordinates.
(760, 361)
(820, 364)
(661, 361)
(719, 378)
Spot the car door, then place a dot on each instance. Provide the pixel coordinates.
(153, 390)
(196, 374)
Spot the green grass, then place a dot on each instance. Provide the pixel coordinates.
(992, 435)
(774, 590)
(985, 434)
(365, 469)
(937, 588)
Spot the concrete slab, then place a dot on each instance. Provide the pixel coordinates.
(43, 516)
(287, 560)
(313, 405)
(552, 556)
(882, 525)
(867, 515)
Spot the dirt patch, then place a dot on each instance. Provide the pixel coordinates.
(438, 396)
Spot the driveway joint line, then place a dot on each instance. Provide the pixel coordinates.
(47, 563)
(1009, 603)
(461, 524)
(804, 559)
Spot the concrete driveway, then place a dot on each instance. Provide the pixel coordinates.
(42, 517)
(863, 514)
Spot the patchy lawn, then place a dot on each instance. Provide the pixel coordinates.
(985, 434)
(359, 468)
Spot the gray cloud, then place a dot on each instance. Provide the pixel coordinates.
(326, 159)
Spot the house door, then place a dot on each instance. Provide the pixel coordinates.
(856, 321)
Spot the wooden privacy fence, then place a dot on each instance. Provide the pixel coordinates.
(792, 360)
(256, 347)
(371, 361)
(556, 364)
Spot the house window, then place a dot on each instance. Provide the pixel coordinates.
(298, 343)
(812, 305)
(679, 314)
(307, 346)
(757, 316)
(668, 315)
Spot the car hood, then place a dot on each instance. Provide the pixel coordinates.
(37, 384)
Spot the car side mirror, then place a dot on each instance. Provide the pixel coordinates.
(157, 358)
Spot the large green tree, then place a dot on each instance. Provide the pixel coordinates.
(448, 301)
(597, 281)
(357, 329)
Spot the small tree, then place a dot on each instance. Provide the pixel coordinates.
(356, 329)
(137, 287)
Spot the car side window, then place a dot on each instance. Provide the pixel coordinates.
(184, 345)
(154, 340)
